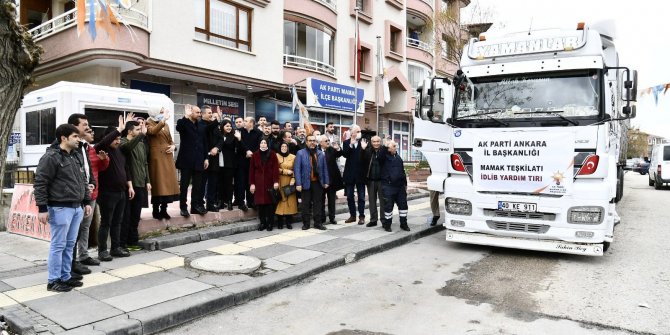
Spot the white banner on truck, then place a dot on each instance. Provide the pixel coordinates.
(524, 162)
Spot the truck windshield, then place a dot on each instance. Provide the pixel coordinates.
(518, 96)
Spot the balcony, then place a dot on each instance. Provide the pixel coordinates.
(422, 6)
(331, 4)
(321, 11)
(415, 43)
(309, 64)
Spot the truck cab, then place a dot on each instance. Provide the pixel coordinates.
(530, 153)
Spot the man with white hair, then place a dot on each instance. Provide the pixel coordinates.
(354, 176)
(394, 186)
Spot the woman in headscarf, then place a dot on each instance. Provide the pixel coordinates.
(263, 178)
(288, 205)
(162, 170)
(231, 143)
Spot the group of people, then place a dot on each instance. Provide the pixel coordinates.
(226, 163)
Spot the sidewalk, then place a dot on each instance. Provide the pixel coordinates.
(154, 290)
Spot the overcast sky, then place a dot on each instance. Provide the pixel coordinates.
(642, 40)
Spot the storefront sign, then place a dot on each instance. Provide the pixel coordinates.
(332, 95)
(229, 107)
(524, 162)
(22, 218)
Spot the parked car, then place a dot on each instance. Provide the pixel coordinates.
(659, 167)
(630, 163)
(642, 167)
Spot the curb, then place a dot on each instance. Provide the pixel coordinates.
(242, 226)
(160, 317)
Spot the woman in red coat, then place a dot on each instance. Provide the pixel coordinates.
(263, 177)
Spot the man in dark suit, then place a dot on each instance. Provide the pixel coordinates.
(251, 139)
(332, 152)
(191, 160)
(354, 177)
(372, 170)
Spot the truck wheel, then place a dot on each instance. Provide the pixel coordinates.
(619, 185)
(658, 185)
(651, 182)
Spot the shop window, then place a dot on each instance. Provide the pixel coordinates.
(224, 23)
(41, 126)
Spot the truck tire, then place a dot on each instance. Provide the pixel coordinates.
(657, 185)
(619, 185)
(651, 182)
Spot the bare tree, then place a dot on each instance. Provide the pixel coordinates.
(20, 55)
(637, 143)
(452, 27)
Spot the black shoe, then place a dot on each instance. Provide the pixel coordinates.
(58, 286)
(120, 252)
(387, 228)
(261, 227)
(184, 213)
(319, 227)
(252, 206)
(73, 282)
(288, 225)
(371, 224)
(164, 215)
(104, 256)
(332, 221)
(76, 276)
(80, 269)
(434, 222)
(305, 227)
(156, 215)
(244, 208)
(90, 261)
(198, 210)
(230, 206)
(213, 209)
(404, 227)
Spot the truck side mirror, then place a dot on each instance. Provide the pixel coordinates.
(630, 87)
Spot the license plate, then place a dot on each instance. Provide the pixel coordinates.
(516, 206)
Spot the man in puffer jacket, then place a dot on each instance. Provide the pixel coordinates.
(394, 186)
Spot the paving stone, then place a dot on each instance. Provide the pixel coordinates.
(133, 271)
(333, 245)
(298, 233)
(5, 287)
(368, 235)
(309, 240)
(277, 238)
(28, 280)
(229, 249)
(269, 251)
(119, 325)
(174, 240)
(125, 286)
(347, 230)
(144, 257)
(83, 330)
(257, 243)
(186, 249)
(6, 301)
(96, 279)
(335, 226)
(247, 236)
(156, 294)
(275, 264)
(9, 262)
(168, 263)
(22, 271)
(30, 293)
(171, 313)
(259, 286)
(297, 256)
(184, 273)
(26, 248)
(66, 309)
(222, 279)
(314, 266)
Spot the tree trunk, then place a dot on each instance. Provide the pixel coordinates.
(19, 55)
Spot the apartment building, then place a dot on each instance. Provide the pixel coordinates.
(243, 55)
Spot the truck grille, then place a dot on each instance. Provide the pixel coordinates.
(519, 215)
(514, 226)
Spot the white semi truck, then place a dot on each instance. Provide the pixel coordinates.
(528, 140)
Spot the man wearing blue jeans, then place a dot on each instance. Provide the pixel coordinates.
(61, 189)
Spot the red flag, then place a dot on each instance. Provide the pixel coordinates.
(359, 54)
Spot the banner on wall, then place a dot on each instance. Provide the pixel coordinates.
(325, 94)
(229, 107)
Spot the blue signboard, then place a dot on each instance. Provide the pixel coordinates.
(332, 95)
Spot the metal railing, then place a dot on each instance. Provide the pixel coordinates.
(61, 22)
(18, 174)
(413, 42)
(329, 3)
(309, 64)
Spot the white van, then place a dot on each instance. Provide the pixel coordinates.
(659, 167)
(44, 109)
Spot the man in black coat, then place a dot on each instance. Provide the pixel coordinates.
(191, 160)
(213, 145)
(353, 177)
(332, 152)
(373, 171)
(251, 139)
(394, 186)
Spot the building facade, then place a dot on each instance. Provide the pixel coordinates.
(242, 56)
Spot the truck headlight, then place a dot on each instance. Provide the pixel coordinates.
(458, 206)
(585, 215)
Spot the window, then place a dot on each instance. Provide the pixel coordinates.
(666, 153)
(444, 47)
(366, 63)
(308, 42)
(361, 5)
(224, 23)
(396, 39)
(41, 126)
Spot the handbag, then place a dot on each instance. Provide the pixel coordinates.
(274, 195)
(288, 190)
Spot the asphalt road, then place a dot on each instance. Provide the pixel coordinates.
(434, 287)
